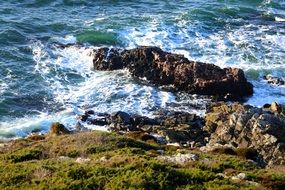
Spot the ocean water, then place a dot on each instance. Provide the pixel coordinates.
(41, 83)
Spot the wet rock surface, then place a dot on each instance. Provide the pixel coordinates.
(242, 126)
(274, 80)
(163, 68)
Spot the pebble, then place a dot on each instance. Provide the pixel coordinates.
(81, 160)
(180, 158)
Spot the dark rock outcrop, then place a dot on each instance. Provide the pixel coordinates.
(163, 68)
(177, 127)
(247, 127)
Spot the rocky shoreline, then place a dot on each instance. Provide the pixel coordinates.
(225, 126)
(230, 129)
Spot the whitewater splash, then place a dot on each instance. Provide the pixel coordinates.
(251, 47)
(244, 34)
(76, 87)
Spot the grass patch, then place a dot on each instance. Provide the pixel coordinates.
(25, 155)
(119, 162)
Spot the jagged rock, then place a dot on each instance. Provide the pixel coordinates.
(84, 117)
(81, 160)
(239, 177)
(99, 121)
(58, 129)
(247, 127)
(121, 118)
(80, 128)
(176, 127)
(163, 68)
(89, 112)
(274, 80)
(107, 59)
(173, 136)
(142, 121)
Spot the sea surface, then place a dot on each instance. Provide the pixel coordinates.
(41, 83)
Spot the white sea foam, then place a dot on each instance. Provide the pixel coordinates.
(250, 47)
(4, 83)
(265, 93)
(21, 127)
(69, 77)
(247, 47)
(278, 19)
(68, 39)
(3, 87)
(72, 84)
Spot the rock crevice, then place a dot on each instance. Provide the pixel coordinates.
(242, 126)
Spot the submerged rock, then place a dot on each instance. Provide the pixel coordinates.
(274, 80)
(247, 127)
(163, 68)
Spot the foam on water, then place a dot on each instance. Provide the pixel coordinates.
(243, 34)
(68, 39)
(247, 47)
(76, 87)
(4, 83)
(278, 19)
(265, 93)
(255, 48)
(3, 87)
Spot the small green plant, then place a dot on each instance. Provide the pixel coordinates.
(25, 155)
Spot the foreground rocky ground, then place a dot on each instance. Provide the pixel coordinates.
(231, 126)
(97, 160)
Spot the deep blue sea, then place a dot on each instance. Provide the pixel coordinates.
(40, 83)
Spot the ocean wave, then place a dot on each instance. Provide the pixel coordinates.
(98, 38)
(75, 87)
(52, 79)
(278, 19)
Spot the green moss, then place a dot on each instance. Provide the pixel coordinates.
(73, 153)
(25, 155)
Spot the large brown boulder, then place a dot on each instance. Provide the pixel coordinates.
(58, 129)
(163, 68)
(246, 127)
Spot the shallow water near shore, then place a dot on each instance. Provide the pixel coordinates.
(41, 83)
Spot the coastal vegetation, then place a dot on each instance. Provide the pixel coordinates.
(100, 160)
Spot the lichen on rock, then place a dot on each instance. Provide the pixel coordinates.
(243, 126)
